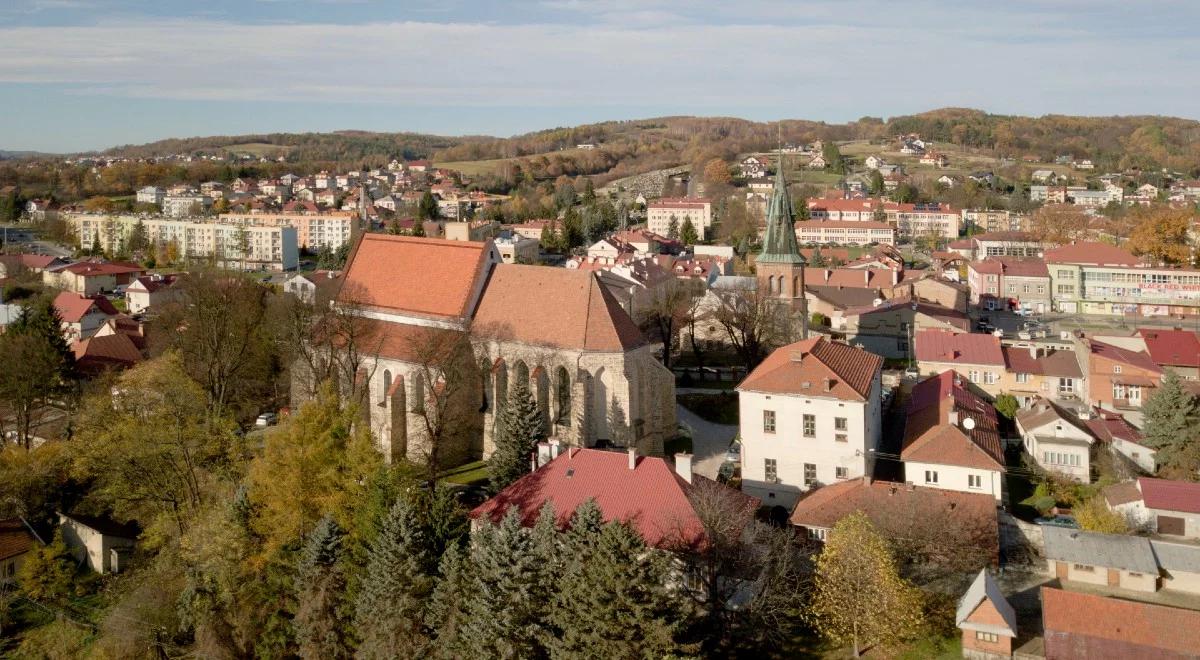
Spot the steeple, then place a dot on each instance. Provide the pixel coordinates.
(780, 245)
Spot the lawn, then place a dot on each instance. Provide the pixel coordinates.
(476, 167)
(718, 408)
(469, 474)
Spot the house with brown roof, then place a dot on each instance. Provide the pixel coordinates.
(89, 278)
(886, 326)
(592, 372)
(82, 315)
(1083, 625)
(154, 290)
(951, 438)
(1120, 378)
(1057, 440)
(1123, 438)
(1038, 371)
(17, 541)
(100, 353)
(978, 356)
(1164, 506)
(810, 415)
(1176, 350)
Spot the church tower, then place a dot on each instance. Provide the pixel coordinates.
(780, 266)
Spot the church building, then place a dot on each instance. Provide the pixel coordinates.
(439, 315)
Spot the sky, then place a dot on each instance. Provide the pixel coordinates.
(89, 74)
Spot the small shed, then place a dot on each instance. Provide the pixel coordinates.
(986, 619)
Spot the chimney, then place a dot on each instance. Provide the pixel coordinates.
(555, 449)
(683, 466)
(953, 418)
(632, 458)
(895, 277)
(545, 454)
(1033, 351)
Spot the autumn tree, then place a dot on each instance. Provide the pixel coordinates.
(755, 322)
(446, 395)
(1095, 516)
(1059, 223)
(716, 172)
(49, 572)
(664, 313)
(1007, 405)
(858, 595)
(1163, 234)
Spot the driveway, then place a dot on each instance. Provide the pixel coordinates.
(709, 442)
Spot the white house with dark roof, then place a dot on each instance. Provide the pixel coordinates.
(810, 415)
(1056, 440)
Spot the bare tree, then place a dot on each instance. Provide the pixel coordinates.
(447, 393)
(328, 341)
(664, 313)
(755, 322)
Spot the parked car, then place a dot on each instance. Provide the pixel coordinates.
(266, 419)
(734, 453)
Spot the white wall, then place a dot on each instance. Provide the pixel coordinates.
(954, 477)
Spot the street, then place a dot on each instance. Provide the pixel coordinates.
(709, 442)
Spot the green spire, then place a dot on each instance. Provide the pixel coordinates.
(780, 245)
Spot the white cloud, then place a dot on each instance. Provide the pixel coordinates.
(818, 61)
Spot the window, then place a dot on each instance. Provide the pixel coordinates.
(1066, 385)
(771, 470)
(810, 426)
(1066, 274)
(973, 376)
(987, 637)
(840, 424)
(810, 474)
(1066, 289)
(841, 472)
(816, 533)
(768, 421)
(989, 377)
(974, 481)
(1116, 368)
(1084, 568)
(931, 476)
(1022, 378)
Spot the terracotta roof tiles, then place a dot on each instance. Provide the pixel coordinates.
(1177, 348)
(1091, 253)
(959, 347)
(1080, 624)
(929, 437)
(1170, 495)
(816, 367)
(15, 538)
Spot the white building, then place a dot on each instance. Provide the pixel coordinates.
(151, 195)
(1163, 506)
(810, 415)
(1055, 440)
(951, 438)
(660, 213)
(232, 246)
(178, 206)
(102, 545)
(845, 232)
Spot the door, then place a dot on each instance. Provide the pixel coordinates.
(1170, 525)
(1060, 570)
(1114, 577)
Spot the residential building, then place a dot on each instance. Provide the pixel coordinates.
(313, 231)
(1010, 283)
(846, 232)
(102, 545)
(82, 315)
(180, 206)
(245, 247)
(17, 542)
(1122, 438)
(101, 353)
(1106, 560)
(150, 195)
(659, 215)
(1174, 350)
(978, 356)
(886, 326)
(1166, 507)
(592, 372)
(951, 438)
(986, 619)
(929, 287)
(644, 491)
(754, 167)
(516, 249)
(909, 220)
(998, 244)
(150, 291)
(1057, 440)
(1082, 625)
(1042, 372)
(897, 508)
(993, 221)
(1097, 278)
(810, 415)
(90, 278)
(1119, 378)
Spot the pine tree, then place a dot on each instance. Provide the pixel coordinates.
(427, 208)
(96, 250)
(1172, 414)
(616, 602)
(521, 428)
(319, 590)
(447, 608)
(818, 259)
(673, 229)
(858, 595)
(510, 586)
(688, 233)
(418, 227)
(388, 611)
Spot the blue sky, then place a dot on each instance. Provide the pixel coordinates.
(89, 74)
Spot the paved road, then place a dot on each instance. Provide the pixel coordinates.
(709, 442)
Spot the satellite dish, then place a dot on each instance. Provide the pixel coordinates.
(968, 423)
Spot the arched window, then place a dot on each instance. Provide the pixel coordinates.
(797, 290)
(387, 387)
(418, 393)
(562, 396)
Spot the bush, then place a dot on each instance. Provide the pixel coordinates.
(819, 320)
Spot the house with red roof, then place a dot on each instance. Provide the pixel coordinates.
(148, 291)
(108, 352)
(89, 278)
(17, 542)
(1123, 438)
(810, 415)
(1166, 507)
(1082, 625)
(1056, 440)
(1098, 278)
(591, 370)
(1174, 350)
(1039, 372)
(646, 492)
(952, 439)
(82, 315)
(1120, 378)
(978, 356)
(1010, 283)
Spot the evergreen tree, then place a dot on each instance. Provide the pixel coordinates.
(673, 229)
(616, 602)
(388, 611)
(320, 586)
(511, 584)
(688, 233)
(418, 227)
(521, 428)
(139, 238)
(1172, 414)
(394, 226)
(817, 260)
(427, 208)
(447, 608)
(96, 250)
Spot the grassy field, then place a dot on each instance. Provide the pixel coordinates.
(477, 167)
(469, 474)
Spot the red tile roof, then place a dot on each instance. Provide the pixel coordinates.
(422, 276)
(1170, 495)
(95, 269)
(651, 497)
(1176, 348)
(929, 437)
(72, 307)
(1109, 425)
(1051, 363)
(1012, 266)
(1125, 356)
(963, 348)
(951, 317)
(883, 500)
(100, 352)
(1006, 236)
(15, 538)
(577, 312)
(1080, 625)
(869, 278)
(1092, 254)
(816, 367)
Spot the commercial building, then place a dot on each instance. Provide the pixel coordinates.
(1097, 278)
(846, 232)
